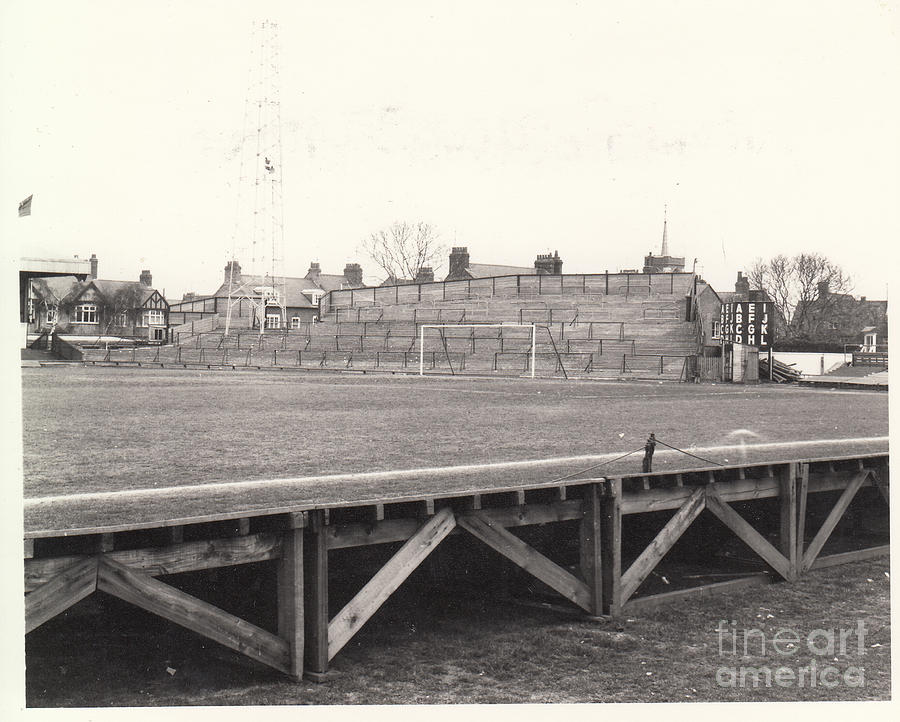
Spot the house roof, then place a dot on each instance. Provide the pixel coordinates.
(730, 296)
(332, 282)
(293, 288)
(110, 288)
(486, 270)
(55, 288)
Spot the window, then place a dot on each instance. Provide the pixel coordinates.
(121, 319)
(316, 296)
(51, 314)
(154, 317)
(86, 313)
(30, 310)
(295, 322)
(716, 329)
(273, 320)
(157, 334)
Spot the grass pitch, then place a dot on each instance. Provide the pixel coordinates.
(105, 429)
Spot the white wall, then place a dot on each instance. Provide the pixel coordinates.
(810, 363)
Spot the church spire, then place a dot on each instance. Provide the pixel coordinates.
(665, 241)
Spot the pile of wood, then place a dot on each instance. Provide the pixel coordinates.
(781, 373)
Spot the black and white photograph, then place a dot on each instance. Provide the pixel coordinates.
(448, 357)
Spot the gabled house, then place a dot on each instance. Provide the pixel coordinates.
(97, 307)
(842, 319)
(247, 296)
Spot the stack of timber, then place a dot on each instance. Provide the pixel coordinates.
(781, 373)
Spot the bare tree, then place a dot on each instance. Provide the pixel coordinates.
(805, 289)
(404, 248)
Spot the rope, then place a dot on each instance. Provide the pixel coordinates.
(688, 453)
(595, 466)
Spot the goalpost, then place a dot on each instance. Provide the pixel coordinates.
(422, 328)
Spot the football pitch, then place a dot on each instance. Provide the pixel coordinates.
(93, 433)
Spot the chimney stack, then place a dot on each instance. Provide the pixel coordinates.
(547, 263)
(425, 275)
(459, 262)
(353, 275)
(314, 271)
(233, 272)
(742, 286)
(94, 265)
(146, 278)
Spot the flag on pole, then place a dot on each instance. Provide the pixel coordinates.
(25, 206)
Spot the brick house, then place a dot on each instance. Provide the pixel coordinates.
(97, 307)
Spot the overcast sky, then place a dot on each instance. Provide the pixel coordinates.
(513, 127)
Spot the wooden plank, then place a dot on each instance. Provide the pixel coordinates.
(834, 516)
(802, 495)
(172, 559)
(590, 546)
(740, 526)
(529, 559)
(342, 536)
(359, 610)
(316, 595)
(176, 534)
(67, 587)
(662, 543)
(855, 556)
(154, 596)
(643, 604)
(787, 517)
(611, 548)
(530, 514)
(660, 499)
(291, 598)
(663, 499)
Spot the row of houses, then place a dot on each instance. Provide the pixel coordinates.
(68, 297)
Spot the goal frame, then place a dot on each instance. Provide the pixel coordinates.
(532, 326)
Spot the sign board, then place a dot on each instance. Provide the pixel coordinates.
(748, 322)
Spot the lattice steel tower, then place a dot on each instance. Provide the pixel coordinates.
(259, 287)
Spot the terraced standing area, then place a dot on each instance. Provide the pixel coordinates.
(627, 328)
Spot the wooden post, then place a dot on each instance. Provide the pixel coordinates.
(787, 535)
(611, 548)
(291, 599)
(315, 590)
(591, 547)
(802, 494)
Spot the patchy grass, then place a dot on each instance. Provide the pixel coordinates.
(469, 647)
(148, 428)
